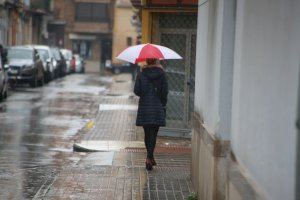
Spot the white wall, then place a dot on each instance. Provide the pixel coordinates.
(206, 79)
(266, 72)
(201, 56)
(214, 65)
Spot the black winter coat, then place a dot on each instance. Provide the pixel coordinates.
(152, 88)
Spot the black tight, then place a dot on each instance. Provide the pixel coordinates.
(150, 139)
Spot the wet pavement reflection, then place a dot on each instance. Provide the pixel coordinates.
(37, 130)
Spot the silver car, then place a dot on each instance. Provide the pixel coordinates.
(25, 66)
(68, 56)
(48, 61)
(3, 80)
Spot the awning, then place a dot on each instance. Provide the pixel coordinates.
(74, 36)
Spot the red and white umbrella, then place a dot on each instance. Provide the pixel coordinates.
(140, 53)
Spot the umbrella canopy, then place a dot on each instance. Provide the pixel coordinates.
(140, 53)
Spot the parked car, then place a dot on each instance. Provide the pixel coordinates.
(120, 68)
(3, 81)
(60, 62)
(48, 61)
(3, 73)
(25, 66)
(70, 64)
(79, 64)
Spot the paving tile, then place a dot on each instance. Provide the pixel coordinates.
(126, 176)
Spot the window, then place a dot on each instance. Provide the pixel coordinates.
(83, 48)
(92, 12)
(129, 41)
(15, 53)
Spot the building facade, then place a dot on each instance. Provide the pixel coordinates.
(21, 22)
(124, 33)
(84, 26)
(247, 77)
(4, 23)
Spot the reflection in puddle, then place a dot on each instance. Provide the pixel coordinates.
(38, 127)
(74, 123)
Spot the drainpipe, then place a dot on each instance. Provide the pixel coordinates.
(298, 148)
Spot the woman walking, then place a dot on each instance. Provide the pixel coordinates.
(152, 88)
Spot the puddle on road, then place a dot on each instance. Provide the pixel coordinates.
(73, 123)
(98, 159)
(37, 129)
(76, 85)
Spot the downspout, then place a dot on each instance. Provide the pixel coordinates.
(297, 188)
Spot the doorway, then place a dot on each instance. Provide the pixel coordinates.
(178, 32)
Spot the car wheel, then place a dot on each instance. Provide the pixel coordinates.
(47, 77)
(12, 84)
(41, 81)
(117, 71)
(34, 82)
(51, 76)
(1, 95)
(5, 94)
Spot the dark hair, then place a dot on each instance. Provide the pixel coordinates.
(151, 61)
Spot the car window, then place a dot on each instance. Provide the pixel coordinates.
(36, 55)
(44, 54)
(20, 54)
(77, 57)
(56, 54)
(66, 54)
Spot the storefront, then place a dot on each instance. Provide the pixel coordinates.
(83, 44)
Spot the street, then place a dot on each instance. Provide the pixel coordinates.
(49, 135)
(38, 128)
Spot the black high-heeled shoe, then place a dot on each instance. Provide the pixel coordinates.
(153, 162)
(149, 164)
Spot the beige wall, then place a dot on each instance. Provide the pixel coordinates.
(122, 30)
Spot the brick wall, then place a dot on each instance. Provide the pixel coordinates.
(65, 11)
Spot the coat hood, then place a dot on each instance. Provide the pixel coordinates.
(153, 73)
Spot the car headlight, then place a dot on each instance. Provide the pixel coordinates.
(54, 63)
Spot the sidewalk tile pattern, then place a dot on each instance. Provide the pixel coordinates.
(129, 181)
(116, 124)
(126, 178)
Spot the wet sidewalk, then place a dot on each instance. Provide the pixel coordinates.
(113, 154)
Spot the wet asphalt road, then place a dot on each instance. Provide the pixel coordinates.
(37, 130)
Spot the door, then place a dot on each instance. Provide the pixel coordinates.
(178, 32)
(180, 75)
